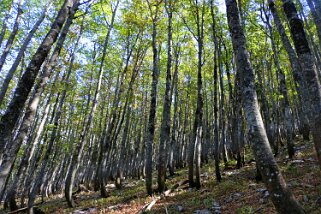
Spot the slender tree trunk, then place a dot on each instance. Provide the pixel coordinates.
(12, 35)
(50, 146)
(309, 70)
(316, 14)
(174, 136)
(296, 69)
(122, 153)
(4, 24)
(215, 121)
(25, 84)
(166, 120)
(194, 153)
(13, 147)
(285, 105)
(152, 111)
(281, 196)
(78, 152)
(21, 52)
(222, 111)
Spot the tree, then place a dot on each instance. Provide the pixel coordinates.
(153, 96)
(22, 50)
(12, 35)
(14, 109)
(165, 126)
(309, 71)
(281, 196)
(77, 155)
(194, 153)
(296, 70)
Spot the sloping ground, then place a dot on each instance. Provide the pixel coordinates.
(237, 193)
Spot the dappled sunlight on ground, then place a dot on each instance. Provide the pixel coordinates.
(237, 193)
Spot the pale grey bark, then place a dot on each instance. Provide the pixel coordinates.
(194, 153)
(174, 135)
(281, 196)
(285, 105)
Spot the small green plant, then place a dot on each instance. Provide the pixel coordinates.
(195, 201)
(293, 170)
(208, 202)
(245, 210)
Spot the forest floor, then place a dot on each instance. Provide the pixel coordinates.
(238, 192)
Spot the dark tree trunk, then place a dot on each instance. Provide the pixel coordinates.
(194, 153)
(152, 111)
(215, 85)
(12, 35)
(23, 48)
(26, 82)
(13, 148)
(309, 70)
(166, 120)
(296, 69)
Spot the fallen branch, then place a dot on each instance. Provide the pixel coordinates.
(149, 206)
(24, 209)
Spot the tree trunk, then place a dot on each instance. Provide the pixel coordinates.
(4, 24)
(285, 105)
(78, 152)
(281, 196)
(215, 85)
(194, 154)
(309, 70)
(296, 69)
(13, 148)
(152, 111)
(25, 84)
(12, 35)
(166, 120)
(22, 50)
(174, 135)
(316, 14)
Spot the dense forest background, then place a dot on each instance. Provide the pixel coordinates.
(102, 91)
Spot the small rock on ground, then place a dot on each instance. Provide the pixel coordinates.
(216, 207)
(179, 208)
(204, 211)
(86, 211)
